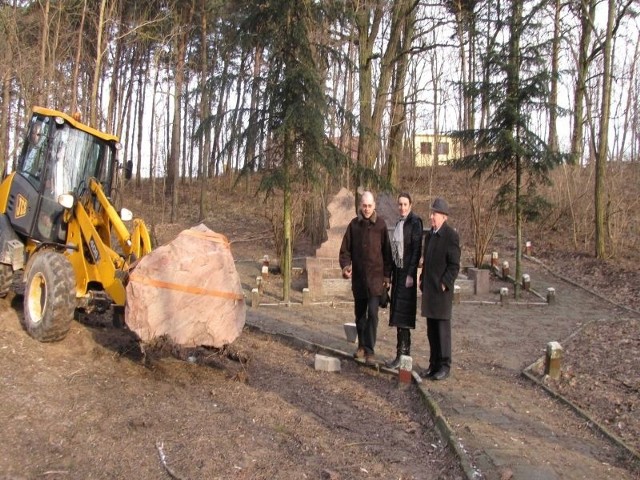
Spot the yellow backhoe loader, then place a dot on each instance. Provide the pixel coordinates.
(63, 245)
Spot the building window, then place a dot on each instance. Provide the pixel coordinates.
(443, 148)
(425, 148)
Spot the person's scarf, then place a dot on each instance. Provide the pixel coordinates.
(397, 243)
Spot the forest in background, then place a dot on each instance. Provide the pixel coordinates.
(312, 95)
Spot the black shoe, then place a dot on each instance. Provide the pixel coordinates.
(440, 374)
(427, 373)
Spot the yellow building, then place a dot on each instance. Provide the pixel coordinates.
(425, 152)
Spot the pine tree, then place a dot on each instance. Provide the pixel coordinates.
(296, 105)
(517, 86)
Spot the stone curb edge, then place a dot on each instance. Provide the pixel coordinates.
(444, 430)
(576, 284)
(634, 456)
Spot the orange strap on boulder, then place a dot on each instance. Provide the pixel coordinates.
(184, 288)
(214, 237)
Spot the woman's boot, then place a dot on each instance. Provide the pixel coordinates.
(403, 346)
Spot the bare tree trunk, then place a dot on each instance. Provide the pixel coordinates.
(76, 67)
(205, 139)
(627, 127)
(367, 33)
(513, 81)
(582, 68)
(372, 106)
(553, 98)
(93, 102)
(287, 248)
(142, 90)
(603, 143)
(398, 109)
(39, 83)
(173, 164)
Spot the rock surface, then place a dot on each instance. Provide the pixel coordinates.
(187, 291)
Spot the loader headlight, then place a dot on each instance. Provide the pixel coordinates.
(126, 215)
(66, 200)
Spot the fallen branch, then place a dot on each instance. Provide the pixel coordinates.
(163, 460)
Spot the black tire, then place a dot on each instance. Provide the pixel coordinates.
(6, 279)
(49, 297)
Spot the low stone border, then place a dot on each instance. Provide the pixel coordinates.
(576, 284)
(444, 430)
(592, 422)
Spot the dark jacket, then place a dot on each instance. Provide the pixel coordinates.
(403, 299)
(366, 247)
(441, 264)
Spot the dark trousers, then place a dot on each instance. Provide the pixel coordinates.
(439, 335)
(366, 310)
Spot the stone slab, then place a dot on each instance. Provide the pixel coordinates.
(480, 277)
(326, 363)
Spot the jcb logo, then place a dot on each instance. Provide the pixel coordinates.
(21, 207)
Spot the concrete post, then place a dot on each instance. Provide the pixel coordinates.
(494, 259)
(504, 295)
(553, 360)
(306, 297)
(255, 297)
(456, 294)
(526, 281)
(505, 270)
(404, 370)
(551, 295)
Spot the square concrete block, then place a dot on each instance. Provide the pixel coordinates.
(351, 332)
(480, 277)
(406, 363)
(327, 364)
(314, 278)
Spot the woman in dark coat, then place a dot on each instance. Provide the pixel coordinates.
(406, 245)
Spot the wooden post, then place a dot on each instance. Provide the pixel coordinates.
(528, 248)
(494, 260)
(526, 281)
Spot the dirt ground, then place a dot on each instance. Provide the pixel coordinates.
(95, 406)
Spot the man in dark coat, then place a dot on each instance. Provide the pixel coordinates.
(441, 265)
(365, 258)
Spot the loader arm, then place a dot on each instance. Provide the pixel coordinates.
(105, 263)
(138, 242)
(91, 237)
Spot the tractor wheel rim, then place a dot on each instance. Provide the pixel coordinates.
(37, 298)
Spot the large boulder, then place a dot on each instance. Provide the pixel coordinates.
(187, 291)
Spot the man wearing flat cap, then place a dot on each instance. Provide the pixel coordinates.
(441, 264)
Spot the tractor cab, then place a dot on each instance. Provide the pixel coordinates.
(59, 156)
